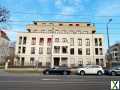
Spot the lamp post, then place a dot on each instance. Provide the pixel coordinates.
(109, 55)
(108, 32)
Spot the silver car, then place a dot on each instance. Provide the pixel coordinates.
(113, 71)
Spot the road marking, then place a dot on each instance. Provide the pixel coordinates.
(46, 79)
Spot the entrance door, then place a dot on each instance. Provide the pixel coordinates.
(22, 61)
(56, 61)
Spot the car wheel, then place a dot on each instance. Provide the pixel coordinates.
(113, 73)
(64, 73)
(82, 73)
(99, 73)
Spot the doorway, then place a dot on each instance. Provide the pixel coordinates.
(56, 61)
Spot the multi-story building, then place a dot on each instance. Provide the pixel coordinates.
(114, 54)
(51, 43)
(6, 50)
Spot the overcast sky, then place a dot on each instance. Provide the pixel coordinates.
(23, 12)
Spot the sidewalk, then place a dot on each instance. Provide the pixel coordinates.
(26, 71)
(18, 73)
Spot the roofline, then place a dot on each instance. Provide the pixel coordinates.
(63, 33)
(64, 22)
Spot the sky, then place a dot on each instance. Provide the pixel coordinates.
(23, 12)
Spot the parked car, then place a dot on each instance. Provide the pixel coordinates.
(57, 71)
(90, 69)
(113, 71)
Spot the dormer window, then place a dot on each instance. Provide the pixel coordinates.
(35, 23)
(88, 24)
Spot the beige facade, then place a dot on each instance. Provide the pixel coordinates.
(60, 43)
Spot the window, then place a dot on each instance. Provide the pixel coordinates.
(70, 24)
(93, 32)
(48, 50)
(32, 59)
(48, 64)
(60, 24)
(33, 40)
(18, 60)
(87, 42)
(72, 51)
(64, 40)
(56, 39)
(40, 64)
(89, 62)
(115, 54)
(71, 41)
(96, 42)
(79, 42)
(101, 51)
(102, 62)
(79, 51)
(49, 41)
(19, 49)
(80, 62)
(100, 42)
(35, 23)
(32, 50)
(20, 40)
(24, 40)
(29, 30)
(96, 51)
(23, 49)
(64, 49)
(22, 61)
(87, 51)
(56, 49)
(88, 25)
(40, 50)
(77, 24)
(41, 42)
(97, 61)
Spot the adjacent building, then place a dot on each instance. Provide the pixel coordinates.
(114, 54)
(52, 43)
(6, 49)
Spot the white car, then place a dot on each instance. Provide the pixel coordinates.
(90, 69)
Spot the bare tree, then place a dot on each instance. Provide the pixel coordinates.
(4, 14)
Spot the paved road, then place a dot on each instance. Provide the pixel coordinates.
(53, 82)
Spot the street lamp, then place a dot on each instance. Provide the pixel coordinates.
(108, 32)
(109, 55)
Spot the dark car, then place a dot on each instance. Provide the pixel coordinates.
(57, 71)
(113, 71)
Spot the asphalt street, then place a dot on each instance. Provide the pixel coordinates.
(55, 82)
(27, 81)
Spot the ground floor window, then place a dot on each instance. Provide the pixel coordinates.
(100, 61)
(32, 59)
(64, 61)
(40, 64)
